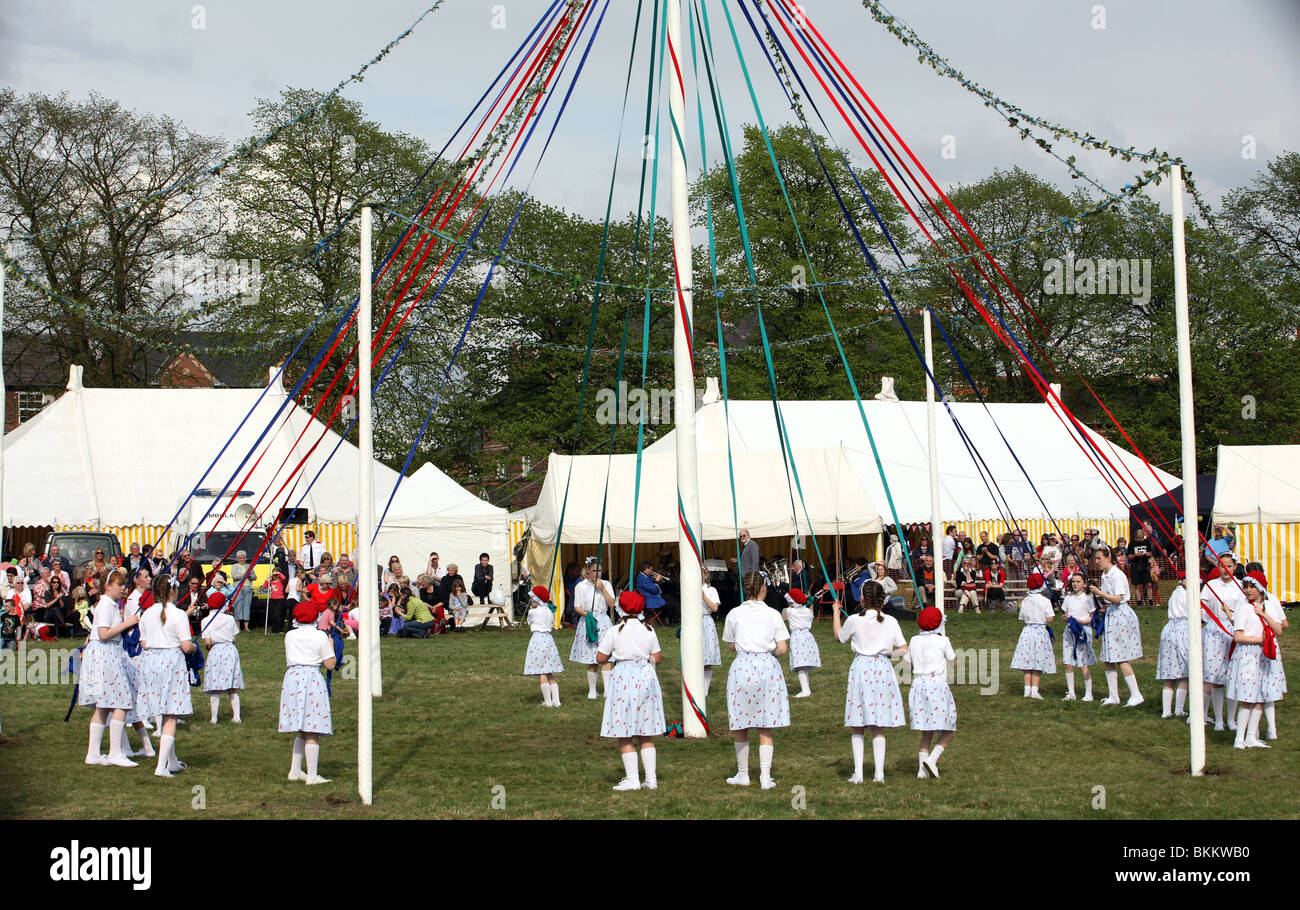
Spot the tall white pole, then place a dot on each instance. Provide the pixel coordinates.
(4, 271)
(367, 630)
(1191, 527)
(936, 522)
(689, 545)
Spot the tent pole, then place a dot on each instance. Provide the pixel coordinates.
(690, 568)
(4, 271)
(936, 525)
(365, 505)
(1191, 544)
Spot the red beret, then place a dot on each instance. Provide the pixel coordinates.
(541, 593)
(216, 601)
(306, 613)
(1035, 581)
(1259, 579)
(929, 619)
(797, 596)
(631, 602)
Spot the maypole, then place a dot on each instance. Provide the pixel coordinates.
(368, 628)
(1191, 537)
(936, 523)
(690, 555)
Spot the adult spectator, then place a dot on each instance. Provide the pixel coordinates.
(1140, 552)
(1051, 551)
(244, 597)
(894, 557)
(29, 565)
(995, 585)
(1217, 545)
(986, 552)
(571, 579)
(393, 571)
(58, 606)
(800, 577)
(965, 555)
(20, 595)
(417, 619)
(926, 593)
(483, 573)
(447, 580)
(312, 551)
(950, 543)
(135, 561)
(648, 588)
(887, 584)
(434, 569)
(749, 558)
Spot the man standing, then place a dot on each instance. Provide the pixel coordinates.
(800, 578)
(311, 552)
(986, 551)
(1139, 563)
(1217, 546)
(748, 555)
(949, 546)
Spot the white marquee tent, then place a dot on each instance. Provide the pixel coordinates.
(128, 458)
(1258, 488)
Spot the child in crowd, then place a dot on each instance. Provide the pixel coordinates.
(634, 705)
(873, 698)
(804, 655)
(1033, 654)
(222, 671)
(930, 701)
(543, 658)
(304, 703)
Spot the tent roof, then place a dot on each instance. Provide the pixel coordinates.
(834, 498)
(132, 456)
(431, 497)
(1257, 483)
(1050, 452)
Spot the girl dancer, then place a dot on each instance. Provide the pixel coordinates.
(873, 699)
(543, 658)
(222, 671)
(709, 629)
(1221, 597)
(591, 595)
(105, 681)
(1034, 649)
(1245, 669)
(634, 706)
(803, 647)
(1076, 642)
(1122, 640)
(930, 701)
(756, 693)
(165, 683)
(136, 602)
(1171, 660)
(304, 703)
(1274, 674)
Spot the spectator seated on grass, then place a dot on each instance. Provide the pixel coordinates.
(418, 620)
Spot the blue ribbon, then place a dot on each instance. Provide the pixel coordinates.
(1079, 632)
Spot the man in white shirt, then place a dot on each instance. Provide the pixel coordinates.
(949, 546)
(311, 552)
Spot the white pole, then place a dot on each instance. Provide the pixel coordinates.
(936, 526)
(688, 493)
(1191, 541)
(4, 271)
(365, 506)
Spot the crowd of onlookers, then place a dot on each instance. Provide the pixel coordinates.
(49, 597)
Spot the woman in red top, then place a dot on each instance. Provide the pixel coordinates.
(995, 585)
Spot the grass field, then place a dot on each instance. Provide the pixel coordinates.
(458, 720)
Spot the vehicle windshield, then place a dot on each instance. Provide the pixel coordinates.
(80, 550)
(219, 543)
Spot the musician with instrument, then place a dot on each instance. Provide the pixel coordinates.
(647, 585)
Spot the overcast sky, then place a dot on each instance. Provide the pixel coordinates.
(1190, 76)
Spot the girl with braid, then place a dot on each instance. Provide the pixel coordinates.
(634, 705)
(164, 680)
(756, 694)
(873, 699)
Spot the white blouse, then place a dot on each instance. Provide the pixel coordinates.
(541, 619)
(584, 596)
(1115, 582)
(1036, 610)
(107, 615)
(930, 652)
(754, 628)
(157, 635)
(628, 641)
(1178, 603)
(1079, 607)
(307, 646)
(868, 636)
(1218, 593)
(799, 617)
(1245, 620)
(220, 629)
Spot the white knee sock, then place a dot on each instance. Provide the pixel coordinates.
(1087, 686)
(859, 745)
(765, 761)
(115, 734)
(126, 742)
(312, 752)
(215, 702)
(165, 746)
(555, 694)
(1069, 681)
(299, 744)
(1112, 684)
(1180, 701)
(96, 746)
(546, 694)
(629, 765)
(803, 682)
(591, 683)
(1232, 706)
(1270, 715)
(935, 753)
(742, 758)
(648, 759)
(708, 679)
(1028, 689)
(1243, 722)
(878, 753)
(1132, 681)
(1166, 702)
(604, 680)
(1252, 732)
(146, 745)
(234, 704)
(1216, 698)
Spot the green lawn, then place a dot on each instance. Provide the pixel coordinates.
(458, 720)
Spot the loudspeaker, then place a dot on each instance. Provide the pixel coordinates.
(294, 517)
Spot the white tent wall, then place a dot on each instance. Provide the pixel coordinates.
(1050, 453)
(1256, 487)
